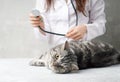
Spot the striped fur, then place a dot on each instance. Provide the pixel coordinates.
(77, 55)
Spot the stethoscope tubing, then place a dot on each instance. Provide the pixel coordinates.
(76, 14)
(53, 33)
(58, 34)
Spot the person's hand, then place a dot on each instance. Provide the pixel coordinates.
(77, 33)
(37, 21)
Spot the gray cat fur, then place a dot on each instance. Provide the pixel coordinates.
(74, 55)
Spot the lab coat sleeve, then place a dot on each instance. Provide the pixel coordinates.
(96, 25)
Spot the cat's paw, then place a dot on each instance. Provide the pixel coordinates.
(36, 63)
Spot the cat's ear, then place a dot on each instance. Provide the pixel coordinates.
(66, 45)
(75, 67)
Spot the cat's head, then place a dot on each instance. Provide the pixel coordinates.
(62, 59)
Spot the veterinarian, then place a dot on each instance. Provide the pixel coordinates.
(77, 19)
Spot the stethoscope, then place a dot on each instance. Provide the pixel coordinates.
(36, 13)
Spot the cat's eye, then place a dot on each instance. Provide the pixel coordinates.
(56, 56)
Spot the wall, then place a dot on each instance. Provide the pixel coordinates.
(16, 33)
(112, 11)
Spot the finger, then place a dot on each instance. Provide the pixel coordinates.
(34, 19)
(77, 38)
(71, 34)
(35, 23)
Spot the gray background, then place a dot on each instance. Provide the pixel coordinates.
(17, 37)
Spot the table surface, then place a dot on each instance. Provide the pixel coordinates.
(18, 70)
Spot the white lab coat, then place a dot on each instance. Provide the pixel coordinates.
(62, 17)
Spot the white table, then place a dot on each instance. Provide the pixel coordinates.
(18, 70)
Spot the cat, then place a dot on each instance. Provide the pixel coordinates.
(75, 55)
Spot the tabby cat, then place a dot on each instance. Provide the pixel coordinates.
(75, 55)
